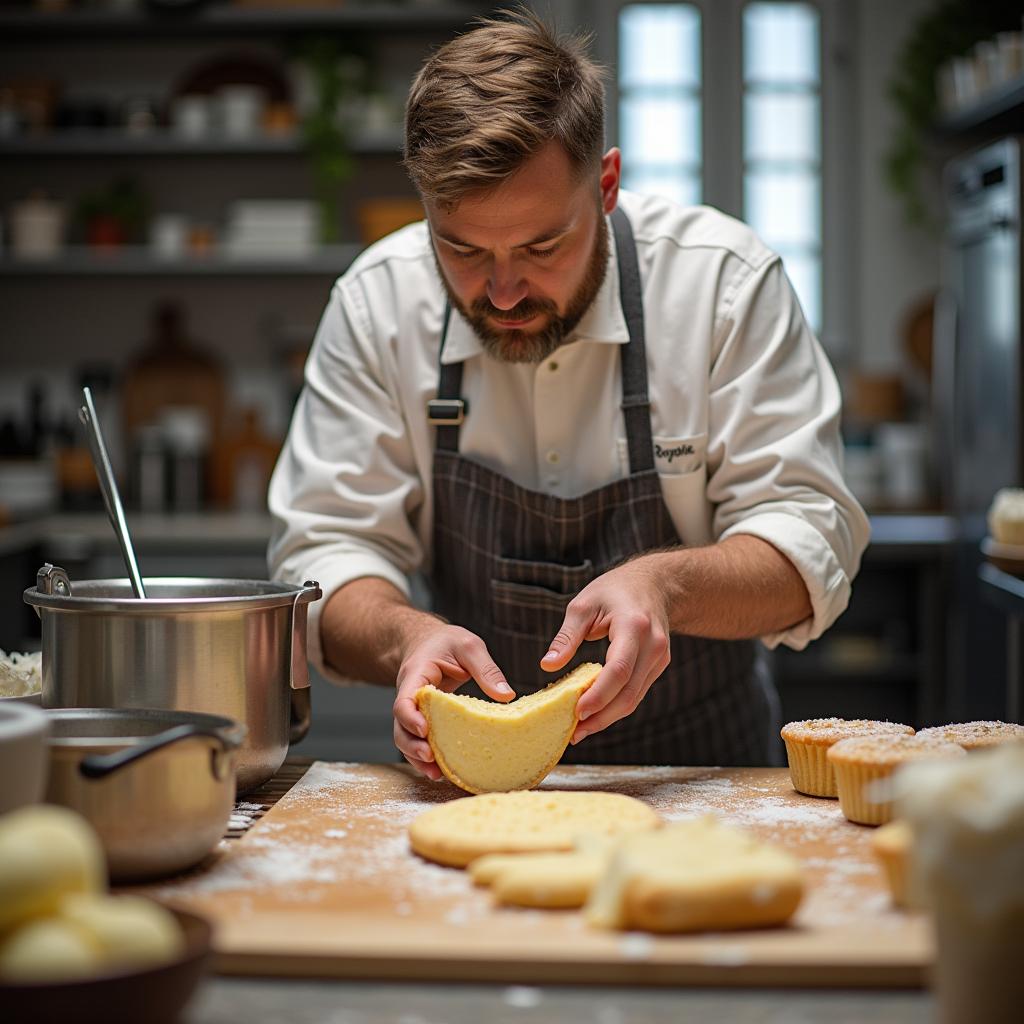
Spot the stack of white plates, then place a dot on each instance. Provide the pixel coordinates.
(271, 229)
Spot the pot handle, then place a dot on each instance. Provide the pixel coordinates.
(301, 715)
(309, 593)
(301, 710)
(99, 766)
(52, 579)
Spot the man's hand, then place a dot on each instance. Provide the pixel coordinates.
(446, 657)
(738, 588)
(629, 605)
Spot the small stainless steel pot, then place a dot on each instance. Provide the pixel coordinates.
(225, 647)
(158, 786)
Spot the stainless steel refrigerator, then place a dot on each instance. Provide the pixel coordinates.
(977, 389)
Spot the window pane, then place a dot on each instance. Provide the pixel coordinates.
(804, 272)
(682, 187)
(659, 44)
(660, 130)
(783, 207)
(780, 43)
(781, 126)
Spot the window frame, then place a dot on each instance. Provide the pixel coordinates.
(722, 171)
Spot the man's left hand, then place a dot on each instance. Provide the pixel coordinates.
(629, 605)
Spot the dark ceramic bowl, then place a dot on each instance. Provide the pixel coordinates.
(156, 995)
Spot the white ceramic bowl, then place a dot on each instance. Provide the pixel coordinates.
(24, 754)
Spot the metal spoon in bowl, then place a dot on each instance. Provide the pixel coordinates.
(108, 485)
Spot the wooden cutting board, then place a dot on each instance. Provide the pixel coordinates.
(325, 886)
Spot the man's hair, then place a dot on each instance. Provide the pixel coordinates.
(490, 99)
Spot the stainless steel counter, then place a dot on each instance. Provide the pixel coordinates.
(266, 1001)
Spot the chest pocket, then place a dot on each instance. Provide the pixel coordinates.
(673, 456)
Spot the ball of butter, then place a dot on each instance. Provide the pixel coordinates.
(128, 931)
(49, 949)
(47, 852)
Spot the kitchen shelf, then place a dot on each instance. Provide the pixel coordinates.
(164, 143)
(139, 261)
(226, 19)
(1001, 108)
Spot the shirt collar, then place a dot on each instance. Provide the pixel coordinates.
(604, 321)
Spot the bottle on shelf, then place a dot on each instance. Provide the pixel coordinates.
(242, 464)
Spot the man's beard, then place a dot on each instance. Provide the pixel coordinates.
(515, 346)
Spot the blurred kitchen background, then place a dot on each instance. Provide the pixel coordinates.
(181, 181)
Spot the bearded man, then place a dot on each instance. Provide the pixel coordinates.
(597, 422)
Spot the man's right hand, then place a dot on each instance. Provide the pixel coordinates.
(444, 656)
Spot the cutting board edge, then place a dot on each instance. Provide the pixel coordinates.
(606, 973)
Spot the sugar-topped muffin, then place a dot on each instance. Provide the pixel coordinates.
(860, 761)
(976, 735)
(807, 744)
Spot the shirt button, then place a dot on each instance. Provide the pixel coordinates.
(553, 457)
(553, 366)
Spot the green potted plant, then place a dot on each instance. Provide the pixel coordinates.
(949, 29)
(113, 216)
(335, 75)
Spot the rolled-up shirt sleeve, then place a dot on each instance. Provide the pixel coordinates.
(345, 487)
(774, 448)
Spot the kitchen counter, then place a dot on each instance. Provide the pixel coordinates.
(250, 994)
(261, 1000)
(267, 1001)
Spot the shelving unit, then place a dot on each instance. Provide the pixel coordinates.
(225, 19)
(161, 143)
(221, 24)
(139, 261)
(999, 110)
(113, 54)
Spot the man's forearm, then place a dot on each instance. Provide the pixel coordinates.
(366, 628)
(741, 587)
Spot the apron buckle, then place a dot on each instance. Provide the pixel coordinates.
(446, 412)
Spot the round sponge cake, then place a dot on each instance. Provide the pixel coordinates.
(486, 747)
(532, 821)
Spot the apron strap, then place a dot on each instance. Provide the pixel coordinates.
(447, 410)
(636, 406)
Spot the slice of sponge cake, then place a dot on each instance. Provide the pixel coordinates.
(486, 747)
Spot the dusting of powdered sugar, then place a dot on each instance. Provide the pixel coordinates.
(365, 843)
(621, 780)
(352, 841)
(244, 814)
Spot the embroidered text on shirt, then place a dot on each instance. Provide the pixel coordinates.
(671, 453)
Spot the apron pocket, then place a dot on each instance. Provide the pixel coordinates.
(529, 601)
(549, 576)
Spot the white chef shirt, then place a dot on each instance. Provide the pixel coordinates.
(744, 412)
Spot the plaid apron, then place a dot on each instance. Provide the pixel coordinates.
(507, 560)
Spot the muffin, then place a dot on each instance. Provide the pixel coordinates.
(891, 845)
(861, 761)
(976, 735)
(1006, 516)
(808, 742)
